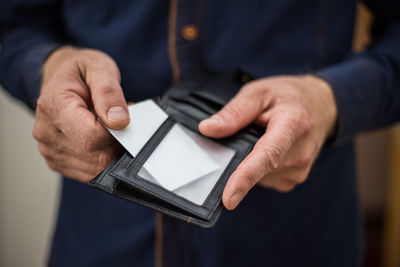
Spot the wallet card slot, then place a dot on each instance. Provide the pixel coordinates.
(211, 97)
(179, 109)
(191, 102)
(161, 193)
(190, 94)
(134, 194)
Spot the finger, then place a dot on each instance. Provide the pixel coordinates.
(244, 108)
(78, 175)
(301, 155)
(282, 132)
(92, 162)
(102, 157)
(71, 173)
(284, 180)
(69, 114)
(108, 99)
(81, 128)
(264, 117)
(65, 161)
(46, 132)
(62, 162)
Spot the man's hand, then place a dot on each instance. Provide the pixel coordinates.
(77, 83)
(299, 113)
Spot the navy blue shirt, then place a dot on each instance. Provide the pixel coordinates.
(318, 223)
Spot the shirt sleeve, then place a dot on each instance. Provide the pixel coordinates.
(29, 31)
(366, 86)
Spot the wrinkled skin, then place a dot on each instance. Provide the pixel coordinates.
(299, 113)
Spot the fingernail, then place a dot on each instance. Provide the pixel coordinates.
(235, 199)
(213, 120)
(117, 113)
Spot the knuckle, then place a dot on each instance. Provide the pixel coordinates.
(43, 151)
(298, 179)
(303, 176)
(38, 133)
(251, 179)
(86, 146)
(109, 87)
(103, 159)
(89, 140)
(232, 112)
(305, 158)
(89, 54)
(301, 121)
(272, 157)
(302, 160)
(42, 105)
(91, 132)
(62, 101)
(255, 87)
(47, 152)
(301, 179)
(93, 55)
(84, 177)
(53, 166)
(305, 125)
(250, 88)
(248, 177)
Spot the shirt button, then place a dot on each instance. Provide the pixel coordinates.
(190, 32)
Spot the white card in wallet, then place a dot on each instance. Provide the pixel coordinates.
(184, 162)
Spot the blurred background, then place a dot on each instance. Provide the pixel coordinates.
(29, 191)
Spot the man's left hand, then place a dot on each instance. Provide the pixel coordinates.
(299, 113)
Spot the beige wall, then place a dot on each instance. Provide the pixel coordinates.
(28, 190)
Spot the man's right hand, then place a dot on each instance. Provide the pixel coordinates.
(79, 84)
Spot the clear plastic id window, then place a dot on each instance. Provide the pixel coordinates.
(187, 164)
(184, 162)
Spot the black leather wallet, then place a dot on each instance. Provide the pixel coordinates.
(186, 103)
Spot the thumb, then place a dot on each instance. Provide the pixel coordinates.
(107, 95)
(240, 111)
(266, 156)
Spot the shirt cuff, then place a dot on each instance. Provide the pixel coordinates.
(356, 85)
(32, 74)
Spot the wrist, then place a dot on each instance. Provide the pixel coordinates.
(327, 103)
(57, 57)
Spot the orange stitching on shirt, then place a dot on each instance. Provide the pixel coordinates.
(173, 59)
